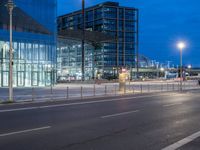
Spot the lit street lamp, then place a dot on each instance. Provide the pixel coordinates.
(181, 45)
(10, 6)
(189, 67)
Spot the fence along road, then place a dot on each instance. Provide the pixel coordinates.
(74, 91)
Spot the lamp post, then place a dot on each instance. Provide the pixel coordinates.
(181, 45)
(83, 40)
(10, 6)
(189, 67)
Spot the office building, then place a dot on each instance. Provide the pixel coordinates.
(112, 19)
(34, 43)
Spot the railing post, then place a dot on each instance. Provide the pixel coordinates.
(94, 90)
(161, 87)
(167, 87)
(81, 92)
(184, 85)
(51, 92)
(173, 87)
(141, 88)
(115, 90)
(67, 96)
(32, 93)
(133, 89)
(148, 88)
(105, 89)
(125, 89)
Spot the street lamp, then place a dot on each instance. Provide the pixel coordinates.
(189, 67)
(181, 46)
(10, 6)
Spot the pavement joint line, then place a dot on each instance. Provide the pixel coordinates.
(25, 131)
(168, 105)
(78, 103)
(183, 142)
(120, 114)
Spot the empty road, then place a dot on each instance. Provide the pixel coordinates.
(158, 121)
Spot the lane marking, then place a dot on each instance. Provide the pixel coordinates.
(79, 103)
(183, 142)
(25, 131)
(169, 105)
(120, 114)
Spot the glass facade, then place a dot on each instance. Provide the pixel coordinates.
(112, 19)
(69, 60)
(34, 56)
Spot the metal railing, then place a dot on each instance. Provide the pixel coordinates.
(69, 92)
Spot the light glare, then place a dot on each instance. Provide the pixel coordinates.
(181, 45)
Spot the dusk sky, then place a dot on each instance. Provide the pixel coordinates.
(162, 24)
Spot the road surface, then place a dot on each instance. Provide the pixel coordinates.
(142, 122)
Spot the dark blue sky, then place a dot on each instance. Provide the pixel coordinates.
(162, 24)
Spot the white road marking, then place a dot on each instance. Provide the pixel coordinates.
(183, 142)
(119, 114)
(168, 105)
(78, 103)
(25, 131)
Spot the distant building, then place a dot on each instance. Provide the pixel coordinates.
(69, 56)
(114, 20)
(34, 43)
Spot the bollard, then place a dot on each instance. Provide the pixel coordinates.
(67, 96)
(173, 87)
(94, 90)
(133, 89)
(32, 93)
(148, 88)
(81, 92)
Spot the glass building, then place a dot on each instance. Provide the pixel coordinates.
(69, 60)
(69, 54)
(34, 43)
(114, 20)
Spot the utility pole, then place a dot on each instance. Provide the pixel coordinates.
(10, 6)
(83, 40)
(137, 46)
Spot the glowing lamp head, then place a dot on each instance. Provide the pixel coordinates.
(181, 45)
(162, 69)
(189, 66)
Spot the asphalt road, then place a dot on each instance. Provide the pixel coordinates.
(142, 122)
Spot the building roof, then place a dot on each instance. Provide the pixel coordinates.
(21, 20)
(90, 36)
